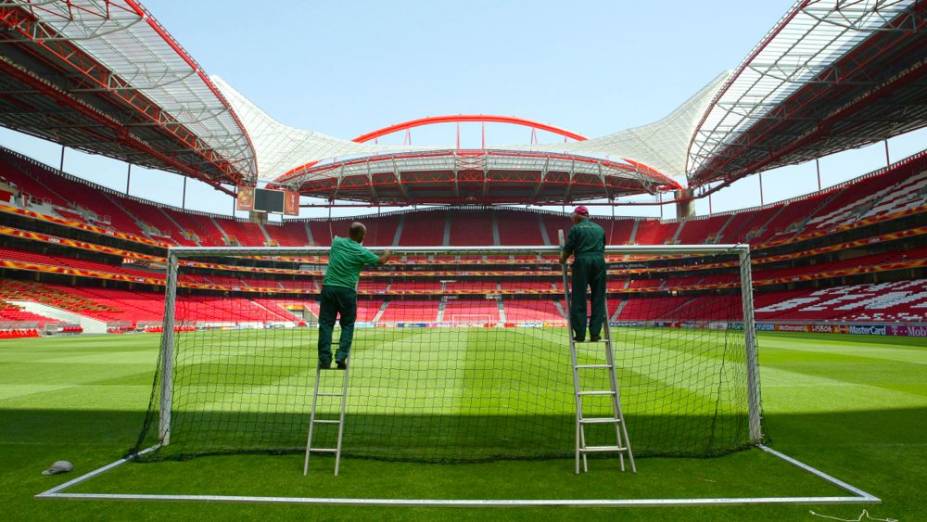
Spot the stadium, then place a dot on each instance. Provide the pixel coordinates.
(761, 361)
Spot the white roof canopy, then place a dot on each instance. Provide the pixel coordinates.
(661, 145)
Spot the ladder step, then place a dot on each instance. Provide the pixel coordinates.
(592, 366)
(597, 392)
(324, 450)
(326, 421)
(326, 394)
(600, 420)
(603, 449)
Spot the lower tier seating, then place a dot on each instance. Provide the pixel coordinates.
(893, 302)
(901, 301)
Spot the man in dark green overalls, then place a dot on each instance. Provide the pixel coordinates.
(339, 293)
(586, 242)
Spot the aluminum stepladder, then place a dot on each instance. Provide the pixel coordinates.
(313, 421)
(622, 442)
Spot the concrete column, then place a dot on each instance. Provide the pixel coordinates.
(684, 204)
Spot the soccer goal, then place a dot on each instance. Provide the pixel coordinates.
(459, 355)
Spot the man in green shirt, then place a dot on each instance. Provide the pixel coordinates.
(339, 293)
(586, 242)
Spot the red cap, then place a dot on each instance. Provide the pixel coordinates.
(581, 210)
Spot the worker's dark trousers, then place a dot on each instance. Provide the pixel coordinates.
(335, 301)
(588, 271)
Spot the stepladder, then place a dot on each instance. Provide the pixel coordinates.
(328, 394)
(595, 361)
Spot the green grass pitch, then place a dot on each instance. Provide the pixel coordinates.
(855, 407)
(443, 394)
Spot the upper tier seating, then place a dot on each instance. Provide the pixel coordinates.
(382, 231)
(553, 224)
(518, 229)
(86, 202)
(425, 230)
(469, 228)
(873, 198)
(242, 232)
(699, 231)
(198, 226)
(156, 223)
(291, 233)
(653, 232)
(903, 187)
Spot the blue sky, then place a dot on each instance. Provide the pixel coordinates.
(344, 68)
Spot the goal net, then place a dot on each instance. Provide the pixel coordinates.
(458, 354)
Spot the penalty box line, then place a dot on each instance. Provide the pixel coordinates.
(858, 495)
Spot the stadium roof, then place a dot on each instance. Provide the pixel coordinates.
(103, 76)
(283, 150)
(475, 176)
(830, 76)
(644, 159)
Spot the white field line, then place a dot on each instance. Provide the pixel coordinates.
(859, 496)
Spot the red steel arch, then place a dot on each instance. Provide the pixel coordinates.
(467, 118)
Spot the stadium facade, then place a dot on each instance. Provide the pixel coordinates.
(829, 76)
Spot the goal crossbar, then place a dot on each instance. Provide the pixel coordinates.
(184, 252)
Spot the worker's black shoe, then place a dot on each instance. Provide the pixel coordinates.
(342, 365)
(579, 339)
(325, 365)
(595, 339)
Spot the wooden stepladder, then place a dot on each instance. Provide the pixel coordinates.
(315, 421)
(622, 444)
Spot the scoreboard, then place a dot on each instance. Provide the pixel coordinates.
(268, 200)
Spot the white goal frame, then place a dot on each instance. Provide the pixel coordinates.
(742, 251)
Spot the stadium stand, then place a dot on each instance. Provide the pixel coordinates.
(471, 311)
(287, 234)
(619, 231)
(553, 223)
(899, 301)
(527, 310)
(654, 232)
(12, 313)
(520, 228)
(382, 231)
(18, 333)
(242, 232)
(409, 310)
(700, 231)
(471, 228)
(887, 195)
(428, 230)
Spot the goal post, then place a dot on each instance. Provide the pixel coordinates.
(749, 326)
(236, 367)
